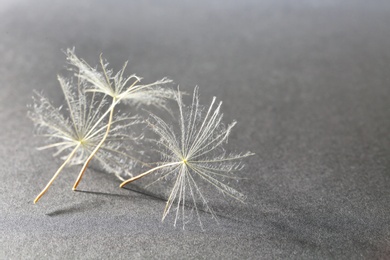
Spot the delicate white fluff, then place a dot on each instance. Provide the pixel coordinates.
(83, 125)
(193, 154)
(118, 86)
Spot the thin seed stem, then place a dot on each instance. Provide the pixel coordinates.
(101, 118)
(56, 174)
(115, 101)
(146, 173)
(97, 147)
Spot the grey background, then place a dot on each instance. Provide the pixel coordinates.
(308, 82)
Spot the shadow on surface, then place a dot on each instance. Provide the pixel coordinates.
(102, 193)
(78, 208)
(144, 192)
(188, 205)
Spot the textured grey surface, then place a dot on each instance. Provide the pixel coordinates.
(308, 82)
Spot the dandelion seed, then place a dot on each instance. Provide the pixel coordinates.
(118, 88)
(75, 137)
(194, 154)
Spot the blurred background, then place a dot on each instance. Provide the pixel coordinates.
(308, 82)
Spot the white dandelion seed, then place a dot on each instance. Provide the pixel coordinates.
(76, 136)
(118, 88)
(194, 154)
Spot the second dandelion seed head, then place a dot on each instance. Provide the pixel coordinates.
(193, 154)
